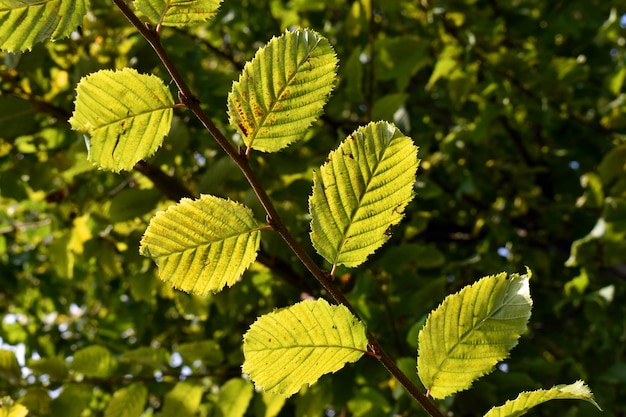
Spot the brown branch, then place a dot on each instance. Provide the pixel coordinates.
(273, 217)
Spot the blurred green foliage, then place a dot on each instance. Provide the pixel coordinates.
(519, 112)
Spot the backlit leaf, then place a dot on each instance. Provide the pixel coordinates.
(296, 345)
(360, 192)
(125, 116)
(282, 90)
(127, 402)
(527, 400)
(471, 331)
(202, 245)
(178, 12)
(23, 23)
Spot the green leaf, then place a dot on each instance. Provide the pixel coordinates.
(55, 367)
(178, 13)
(183, 400)
(207, 351)
(125, 116)
(202, 245)
(282, 90)
(127, 402)
(471, 331)
(360, 192)
(234, 398)
(527, 400)
(296, 345)
(9, 367)
(94, 361)
(26, 22)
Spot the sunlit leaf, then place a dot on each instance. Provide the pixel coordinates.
(360, 192)
(202, 245)
(178, 12)
(527, 400)
(9, 409)
(296, 345)
(282, 90)
(125, 116)
(471, 331)
(23, 23)
(127, 402)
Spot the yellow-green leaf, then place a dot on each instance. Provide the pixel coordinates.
(282, 90)
(527, 400)
(23, 23)
(178, 12)
(125, 116)
(127, 402)
(296, 345)
(202, 245)
(471, 331)
(8, 408)
(360, 192)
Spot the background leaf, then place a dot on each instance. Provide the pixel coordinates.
(183, 400)
(527, 400)
(202, 245)
(282, 90)
(127, 402)
(125, 114)
(24, 23)
(234, 398)
(94, 361)
(297, 345)
(471, 331)
(360, 192)
(178, 12)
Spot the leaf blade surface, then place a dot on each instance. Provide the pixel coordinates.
(471, 331)
(360, 192)
(25, 23)
(527, 400)
(202, 245)
(296, 345)
(282, 90)
(178, 13)
(125, 114)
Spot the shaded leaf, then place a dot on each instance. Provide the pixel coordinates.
(125, 116)
(471, 331)
(26, 22)
(527, 400)
(94, 361)
(9, 367)
(178, 12)
(127, 402)
(202, 245)
(282, 90)
(360, 192)
(55, 367)
(207, 351)
(296, 345)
